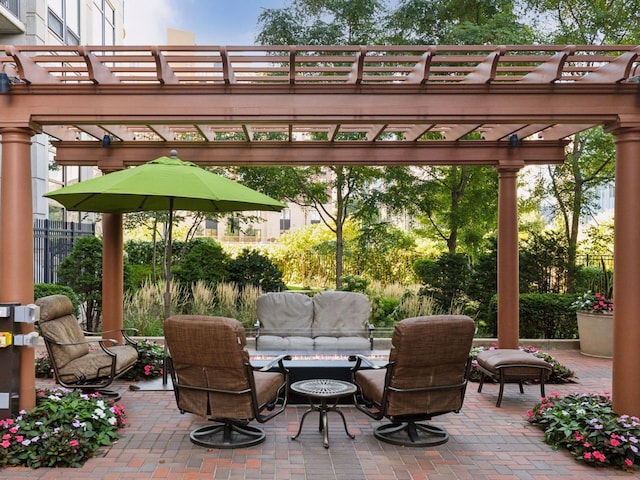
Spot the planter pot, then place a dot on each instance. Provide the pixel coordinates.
(596, 334)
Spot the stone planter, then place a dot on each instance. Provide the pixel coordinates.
(596, 334)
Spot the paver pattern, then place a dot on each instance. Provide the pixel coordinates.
(487, 443)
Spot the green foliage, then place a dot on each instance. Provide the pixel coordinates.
(383, 252)
(65, 429)
(205, 260)
(445, 279)
(548, 315)
(543, 263)
(382, 310)
(586, 425)
(483, 280)
(139, 252)
(317, 22)
(43, 366)
(82, 271)
(45, 289)
(251, 267)
(595, 279)
(150, 361)
(354, 283)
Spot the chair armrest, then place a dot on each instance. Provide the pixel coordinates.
(70, 344)
(257, 327)
(276, 361)
(363, 362)
(126, 332)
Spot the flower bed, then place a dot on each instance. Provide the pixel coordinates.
(587, 426)
(64, 430)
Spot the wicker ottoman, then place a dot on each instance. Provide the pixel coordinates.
(510, 366)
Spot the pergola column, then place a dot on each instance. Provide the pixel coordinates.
(508, 269)
(626, 326)
(16, 242)
(112, 275)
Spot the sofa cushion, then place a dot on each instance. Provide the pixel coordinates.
(284, 314)
(340, 314)
(274, 342)
(341, 343)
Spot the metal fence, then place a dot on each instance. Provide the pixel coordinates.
(603, 261)
(52, 242)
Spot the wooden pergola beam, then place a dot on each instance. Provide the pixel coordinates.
(125, 154)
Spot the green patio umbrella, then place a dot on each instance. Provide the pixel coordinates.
(164, 184)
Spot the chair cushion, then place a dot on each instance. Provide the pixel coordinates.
(371, 383)
(517, 362)
(58, 324)
(340, 314)
(97, 364)
(285, 314)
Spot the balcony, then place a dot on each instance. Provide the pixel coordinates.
(10, 18)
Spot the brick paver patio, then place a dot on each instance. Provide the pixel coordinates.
(487, 443)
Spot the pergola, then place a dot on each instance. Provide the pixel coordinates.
(500, 106)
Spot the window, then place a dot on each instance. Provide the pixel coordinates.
(63, 17)
(285, 219)
(103, 23)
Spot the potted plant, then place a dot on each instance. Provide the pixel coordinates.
(594, 312)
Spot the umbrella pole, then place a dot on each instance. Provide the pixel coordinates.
(167, 292)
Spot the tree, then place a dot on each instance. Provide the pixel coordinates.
(433, 22)
(456, 204)
(590, 161)
(331, 191)
(322, 22)
(573, 186)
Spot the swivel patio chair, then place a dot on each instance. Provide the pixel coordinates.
(426, 376)
(75, 363)
(212, 377)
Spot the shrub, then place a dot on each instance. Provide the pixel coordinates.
(547, 315)
(205, 260)
(444, 279)
(354, 283)
(250, 267)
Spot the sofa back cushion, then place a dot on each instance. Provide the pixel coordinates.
(340, 314)
(285, 314)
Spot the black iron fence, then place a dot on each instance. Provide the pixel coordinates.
(603, 261)
(52, 242)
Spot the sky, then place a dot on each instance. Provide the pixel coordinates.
(214, 22)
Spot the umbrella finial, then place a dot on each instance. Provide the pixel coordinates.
(173, 153)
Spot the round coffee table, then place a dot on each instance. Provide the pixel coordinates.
(322, 390)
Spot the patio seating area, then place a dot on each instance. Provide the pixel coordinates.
(487, 443)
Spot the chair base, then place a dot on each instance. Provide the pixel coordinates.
(109, 394)
(411, 434)
(227, 435)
